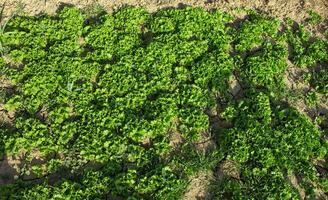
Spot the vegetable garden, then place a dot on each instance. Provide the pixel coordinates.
(131, 105)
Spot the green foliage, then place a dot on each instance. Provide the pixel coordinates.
(311, 99)
(314, 17)
(100, 97)
(266, 68)
(97, 92)
(306, 51)
(270, 142)
(254, 31)
(319, 80)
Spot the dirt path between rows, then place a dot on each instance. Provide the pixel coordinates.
(295, 9)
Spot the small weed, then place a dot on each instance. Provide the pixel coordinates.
(314, 17)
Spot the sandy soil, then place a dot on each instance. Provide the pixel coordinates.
(296, 9)
(198, 186)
